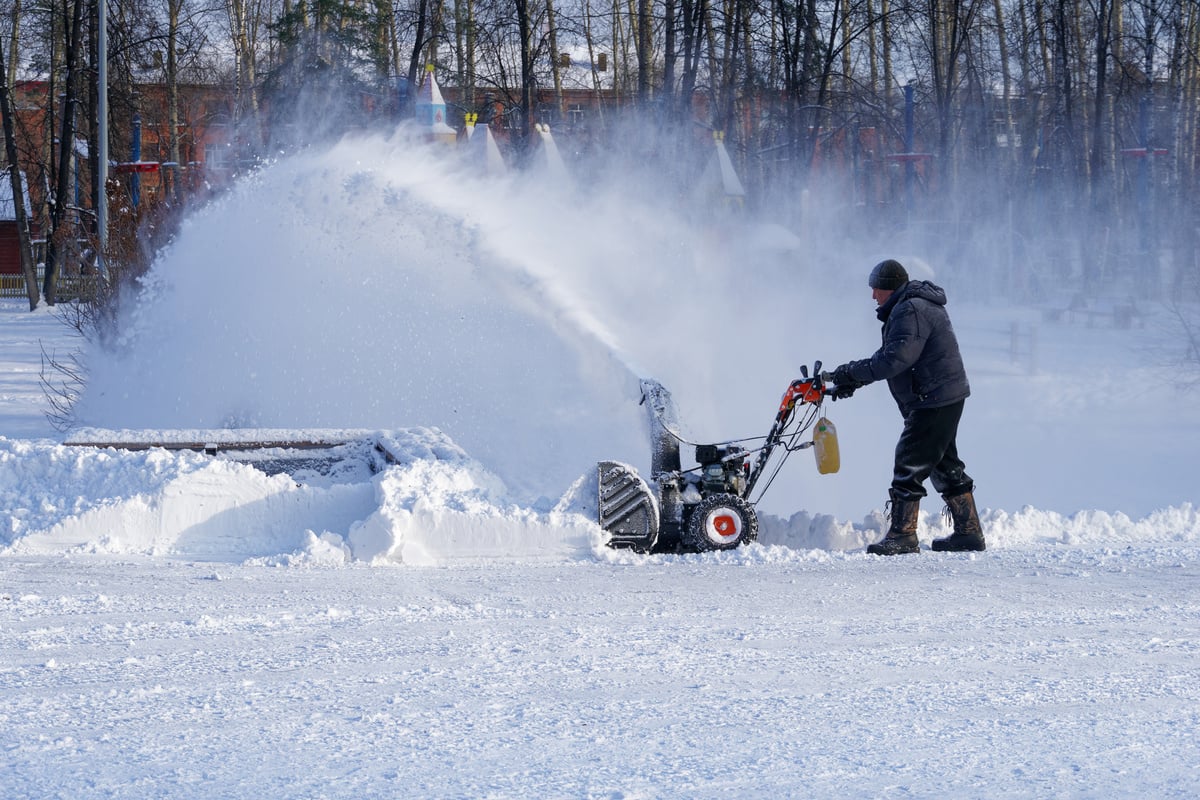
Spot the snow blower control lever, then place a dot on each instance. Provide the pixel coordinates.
(710, 506)
(802, 391)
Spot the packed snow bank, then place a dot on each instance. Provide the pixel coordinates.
(441, 505)
(66, 499)
(426, 503)
(431, 504)
(1002, 528)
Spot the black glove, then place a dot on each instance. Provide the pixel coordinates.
(843, 390)
(841, 376)
(843, 384)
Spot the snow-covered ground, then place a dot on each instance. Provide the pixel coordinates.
(1041, 671)
(449, 624)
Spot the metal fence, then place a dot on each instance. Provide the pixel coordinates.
(68, 287)
(12, 285)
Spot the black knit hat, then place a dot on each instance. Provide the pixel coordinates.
(888, 274)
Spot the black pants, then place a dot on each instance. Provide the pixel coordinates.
(927, 449)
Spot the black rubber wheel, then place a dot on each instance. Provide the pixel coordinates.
(721, 522)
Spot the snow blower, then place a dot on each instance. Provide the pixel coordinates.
(711, 505)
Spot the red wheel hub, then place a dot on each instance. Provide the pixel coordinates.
(725, 524)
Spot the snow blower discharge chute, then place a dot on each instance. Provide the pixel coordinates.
(710, 506)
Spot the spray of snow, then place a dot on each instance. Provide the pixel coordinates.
(384, 285)
(361, 295)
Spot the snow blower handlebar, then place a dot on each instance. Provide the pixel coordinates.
(839, 391)
(804, 390)
(801, 390)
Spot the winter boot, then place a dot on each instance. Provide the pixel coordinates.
(968, 533)
(902, 534)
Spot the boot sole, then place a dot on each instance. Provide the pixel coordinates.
(875, 550)
(950, 548)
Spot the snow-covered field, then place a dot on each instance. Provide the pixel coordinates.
(1032, 672)
(174, 625)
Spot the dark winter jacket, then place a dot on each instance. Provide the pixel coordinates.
(919, 358)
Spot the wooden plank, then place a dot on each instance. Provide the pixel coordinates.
(212, 447)
(213, 441)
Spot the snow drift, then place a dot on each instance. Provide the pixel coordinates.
(431, 504)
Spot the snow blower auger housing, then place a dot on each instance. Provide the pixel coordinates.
(710, 506)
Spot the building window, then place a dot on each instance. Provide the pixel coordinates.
(216, 156)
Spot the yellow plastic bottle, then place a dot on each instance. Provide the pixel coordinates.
(825, 447)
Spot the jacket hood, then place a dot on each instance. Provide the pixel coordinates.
(922, 289)
(926, 291)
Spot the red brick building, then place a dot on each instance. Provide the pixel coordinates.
(206, 144)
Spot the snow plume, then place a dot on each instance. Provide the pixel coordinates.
(382, 284)
(357, 288)
(379, 284)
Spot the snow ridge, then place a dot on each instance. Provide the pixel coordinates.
(431, 504)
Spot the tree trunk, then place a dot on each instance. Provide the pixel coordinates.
(245, 110)
(552, 33)
(692, 12)
(414, 61)
(1065, 91)
(471, 68)
(620, 59)
(645, 52)
(1081, 72)
(714, 63)
(950, 23)
(885, 29)
(435, 31)
(460, 56)
(1010, 128)
(1096, 157)
(872, 50)
(525, 28)
(13, 42)
(847, 63)
(669, 57)
(1040, 30)
(591, 47)
(24, 243)
(725, 68)
(66, 157)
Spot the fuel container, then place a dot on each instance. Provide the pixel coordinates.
(825, 447)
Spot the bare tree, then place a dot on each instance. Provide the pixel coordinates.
(61, 231)
(17, 186)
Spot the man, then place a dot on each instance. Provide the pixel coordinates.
(921, 362)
